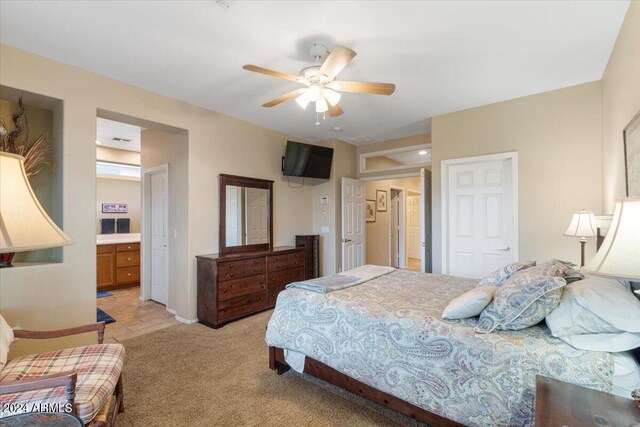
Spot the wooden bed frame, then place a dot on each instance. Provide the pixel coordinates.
(330, 375)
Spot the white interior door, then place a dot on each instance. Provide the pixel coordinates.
(159, 236)
(353, 238)
(256, 209)
(413, 227)
(481, 217)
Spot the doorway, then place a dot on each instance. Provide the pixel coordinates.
(142, 266)
(398, 232)
(479, 214)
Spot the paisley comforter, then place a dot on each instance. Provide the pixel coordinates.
(388, 333)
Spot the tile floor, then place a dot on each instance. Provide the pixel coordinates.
(133, 317)
(413, 264)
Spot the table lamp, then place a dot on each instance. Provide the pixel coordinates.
(24, 225)
(583, 225)
(619, 255)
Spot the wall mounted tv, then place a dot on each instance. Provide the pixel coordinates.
(310, 161)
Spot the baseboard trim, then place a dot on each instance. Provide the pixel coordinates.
(187, 321)
(172, 311)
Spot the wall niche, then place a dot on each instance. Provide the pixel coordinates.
(43, 117)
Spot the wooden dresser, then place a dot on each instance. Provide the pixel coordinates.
(236, 285)
(118, 265)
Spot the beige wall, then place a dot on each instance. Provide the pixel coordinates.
(108, 154)
(378, 231)
(330, 216)
(113, 190)
(217, 144)
(557, 136)
(620, 103)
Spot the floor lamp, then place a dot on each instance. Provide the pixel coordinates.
(24, 225)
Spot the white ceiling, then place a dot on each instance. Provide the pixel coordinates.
(443, 56)
(107, 130)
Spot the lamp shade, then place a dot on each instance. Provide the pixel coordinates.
(619, 255)
(24, 225)
(583, 224)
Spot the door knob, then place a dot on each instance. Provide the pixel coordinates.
(346, 240)
(506, 248)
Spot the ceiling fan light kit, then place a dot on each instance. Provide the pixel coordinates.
(322, 88)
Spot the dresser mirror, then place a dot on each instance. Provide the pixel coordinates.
(246, 214)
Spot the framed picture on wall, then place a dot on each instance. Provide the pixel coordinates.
(370, 210)
(115, 208)
(381, 200)
(631, 136)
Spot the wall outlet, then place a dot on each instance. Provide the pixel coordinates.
(324, 213)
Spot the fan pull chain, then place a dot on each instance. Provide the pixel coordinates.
(317, 119)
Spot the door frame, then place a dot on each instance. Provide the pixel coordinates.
(402, 256)
(145, 240)
(444, 174)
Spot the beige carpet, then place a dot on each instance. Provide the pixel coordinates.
(191, 375)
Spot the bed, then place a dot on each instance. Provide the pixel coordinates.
(385, 340)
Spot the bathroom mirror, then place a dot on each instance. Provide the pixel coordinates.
(246, 214)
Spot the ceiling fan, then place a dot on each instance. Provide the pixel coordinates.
(322, 87)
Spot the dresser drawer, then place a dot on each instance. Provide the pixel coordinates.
(281, 278)
(247, 285)
(272, 294)
(127, 259)
(104, 249)
(241, 305)
(277, 262)
(126, 247)
(230, 270)
(127, 275)
(255, 266)
(296, 259)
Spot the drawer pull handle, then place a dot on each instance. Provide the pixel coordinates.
(224, 291)
(128, 247)
(128, 274)
(129, 259)
(255, 270)
(225, 309)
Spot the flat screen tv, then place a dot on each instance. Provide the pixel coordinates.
(310, 161)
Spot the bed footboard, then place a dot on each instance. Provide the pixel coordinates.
(330, 375)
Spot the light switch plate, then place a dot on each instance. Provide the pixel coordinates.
(324, 200)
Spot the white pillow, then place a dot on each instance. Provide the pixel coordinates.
(595, 305)
(626, 374)
(6, 338)
(604, 342)
(469, 304)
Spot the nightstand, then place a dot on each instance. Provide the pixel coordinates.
(561, 404)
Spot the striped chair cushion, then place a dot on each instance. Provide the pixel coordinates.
(98, 367)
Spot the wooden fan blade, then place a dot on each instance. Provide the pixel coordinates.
(271, 73)
(334, 110)
(363, 87)
(336, 61)
(285, 97)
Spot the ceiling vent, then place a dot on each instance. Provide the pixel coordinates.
(115, 138)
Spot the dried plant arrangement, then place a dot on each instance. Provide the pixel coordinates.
(35, 153)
